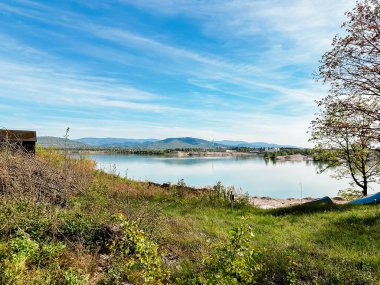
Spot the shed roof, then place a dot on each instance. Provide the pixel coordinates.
(16, 135)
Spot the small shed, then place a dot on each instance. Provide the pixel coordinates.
(26, 140)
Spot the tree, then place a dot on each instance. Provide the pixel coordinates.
(352, 66)
(347, 129)
(345, 142)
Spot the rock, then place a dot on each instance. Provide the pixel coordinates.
(339, 199)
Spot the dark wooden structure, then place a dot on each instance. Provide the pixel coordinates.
(25, 140)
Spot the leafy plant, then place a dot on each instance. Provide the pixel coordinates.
(75, 277)
(236, 262)
(350, 194)
(143, 262)
(180, 188)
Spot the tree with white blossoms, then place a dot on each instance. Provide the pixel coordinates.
(347, 128)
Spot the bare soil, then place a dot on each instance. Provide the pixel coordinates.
(272, 203)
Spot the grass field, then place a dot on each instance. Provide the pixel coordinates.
(110, 230)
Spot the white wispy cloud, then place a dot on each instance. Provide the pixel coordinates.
(287, 33)
(290, 32)
(213, 69)
(30, 83)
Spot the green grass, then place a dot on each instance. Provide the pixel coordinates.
(338, 245)
(182, 238)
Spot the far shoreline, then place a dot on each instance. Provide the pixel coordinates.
(190, 154)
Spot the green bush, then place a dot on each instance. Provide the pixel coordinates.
(134, 258)
(21, 250)
(75, 277)
(350, 194)
(25, 261)
(76, 227)
(236, 262)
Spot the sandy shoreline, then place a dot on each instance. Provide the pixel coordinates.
(294, 157)
(259, 202)
(273, 203)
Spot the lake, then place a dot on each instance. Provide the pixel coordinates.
(254, 175)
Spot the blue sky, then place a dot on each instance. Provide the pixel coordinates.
(216, 69)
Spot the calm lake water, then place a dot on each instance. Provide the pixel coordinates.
(253, 175)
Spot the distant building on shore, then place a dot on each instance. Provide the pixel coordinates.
(25, 140)
(272, 149)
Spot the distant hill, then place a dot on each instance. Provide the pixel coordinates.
(114, 142)
(231, 143)
(151, 144)
(59, 143)
(185, 143)
(253, 144)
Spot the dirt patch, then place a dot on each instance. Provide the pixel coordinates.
(272, 203)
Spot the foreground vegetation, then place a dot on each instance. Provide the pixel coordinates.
(63, 222)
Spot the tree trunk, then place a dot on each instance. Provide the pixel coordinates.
(365, 188)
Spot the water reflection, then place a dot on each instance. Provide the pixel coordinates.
(253, 175)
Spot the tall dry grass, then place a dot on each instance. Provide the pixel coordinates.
(47, 176)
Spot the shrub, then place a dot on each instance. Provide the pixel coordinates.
(222, 193)
(180, 188)
(23, 260)
(75, 277)
(48, 176)
(236, 262)
(133, 258)
(78, 228)
(350, 194)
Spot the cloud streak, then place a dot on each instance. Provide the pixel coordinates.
(239, 68)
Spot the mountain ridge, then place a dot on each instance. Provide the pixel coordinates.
(152, 144)
(50, 141)
(252, 144)
(113, 142)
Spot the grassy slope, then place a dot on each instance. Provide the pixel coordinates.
(340, 245)
(335, 245)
